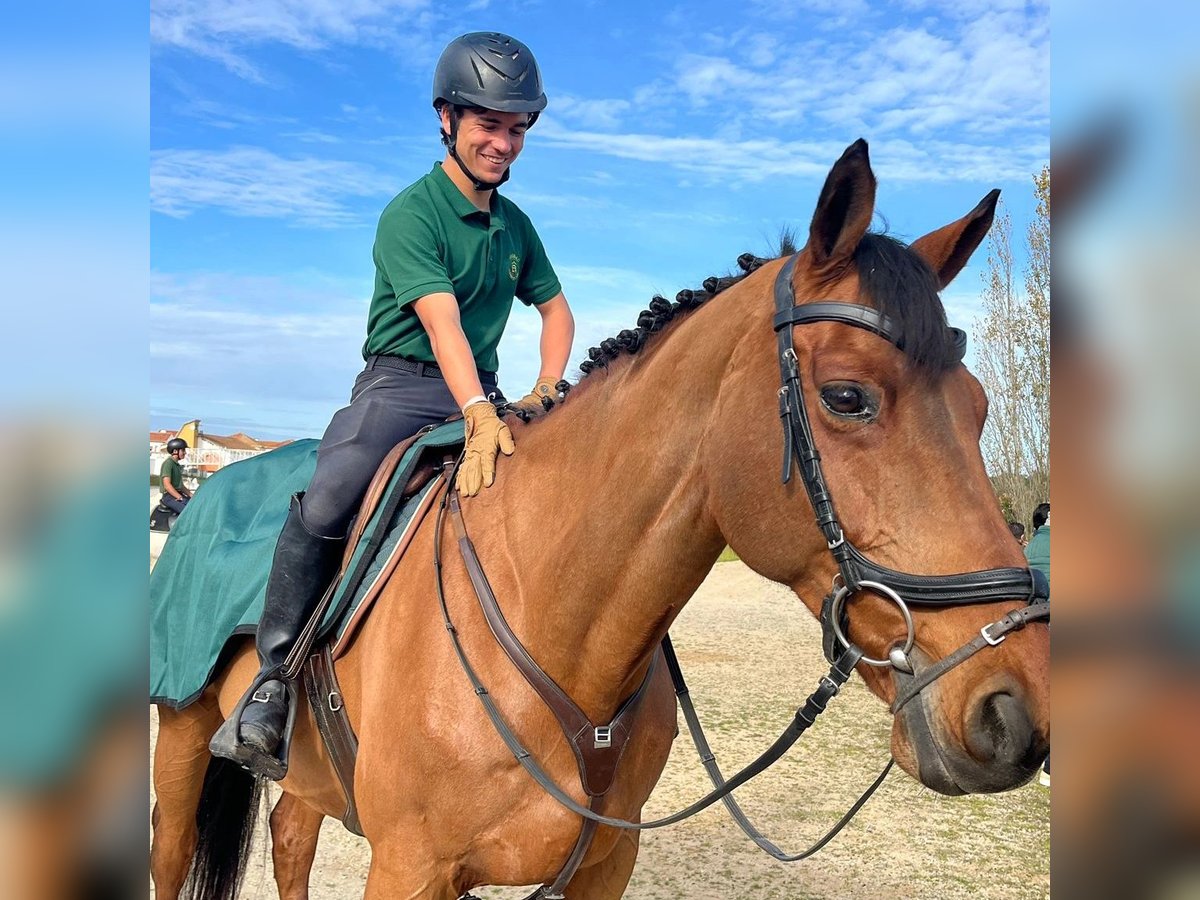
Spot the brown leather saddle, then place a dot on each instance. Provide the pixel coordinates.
(320, 643)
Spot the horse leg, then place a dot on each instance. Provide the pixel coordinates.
(608, 878)
(295, 829)
(397, 873)
(180, 760)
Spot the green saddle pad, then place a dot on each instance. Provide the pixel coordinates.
(210, 581)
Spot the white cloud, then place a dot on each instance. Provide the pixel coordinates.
(219, 29)
(970, 9)
(251, 181)
(988, 72)
(838, 11)
(264, 341)
(222, 115)
(706, 78)
(313, 137)
(768, 157)
(622, 282)
(597, 114)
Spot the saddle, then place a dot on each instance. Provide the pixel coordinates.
(388, 518)
(161, 518)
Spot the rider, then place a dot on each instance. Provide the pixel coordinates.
(450, 255)
(175, 495)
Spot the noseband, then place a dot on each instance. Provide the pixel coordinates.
(855, 571)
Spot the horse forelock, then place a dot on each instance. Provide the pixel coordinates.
(900, 284)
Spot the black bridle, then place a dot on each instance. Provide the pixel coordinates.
(855, 571)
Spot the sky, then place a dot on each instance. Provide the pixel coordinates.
(676, 138)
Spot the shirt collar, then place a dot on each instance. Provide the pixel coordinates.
(460, 204)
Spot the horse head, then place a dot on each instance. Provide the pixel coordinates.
(896, 420)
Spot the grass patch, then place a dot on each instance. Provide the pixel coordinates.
(727, 555)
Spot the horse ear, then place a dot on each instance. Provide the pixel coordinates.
(948, 249)
(844, 209)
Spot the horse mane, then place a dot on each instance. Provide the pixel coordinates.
(893, 279)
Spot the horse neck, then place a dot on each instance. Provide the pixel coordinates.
(602, 529)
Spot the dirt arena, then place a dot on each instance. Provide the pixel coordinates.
(751, 654)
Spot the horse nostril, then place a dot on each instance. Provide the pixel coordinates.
(1000, 730)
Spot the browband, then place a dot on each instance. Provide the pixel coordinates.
(845, 313)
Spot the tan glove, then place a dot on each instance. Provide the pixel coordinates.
(486, 436)
(531, 404)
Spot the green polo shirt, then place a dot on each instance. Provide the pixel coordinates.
(431, 239)
(171, 473)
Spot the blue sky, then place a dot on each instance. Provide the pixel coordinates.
(676, 138)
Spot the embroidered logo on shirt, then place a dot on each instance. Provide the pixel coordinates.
(514, 266)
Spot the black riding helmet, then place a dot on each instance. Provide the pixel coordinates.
(488, 70)
(176, 444)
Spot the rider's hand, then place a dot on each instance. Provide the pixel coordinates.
(533, 404)
(486, 437)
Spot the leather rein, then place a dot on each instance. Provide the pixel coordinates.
(598, 749)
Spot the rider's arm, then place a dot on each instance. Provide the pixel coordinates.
(439, 316)
(558, 333)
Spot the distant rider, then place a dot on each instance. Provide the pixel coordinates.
(175, 495)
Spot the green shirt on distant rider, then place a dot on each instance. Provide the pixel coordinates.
(171, 473)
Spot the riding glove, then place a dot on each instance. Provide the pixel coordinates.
(533, 404)
(486, 437)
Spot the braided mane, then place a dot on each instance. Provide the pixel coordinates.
(661, 312)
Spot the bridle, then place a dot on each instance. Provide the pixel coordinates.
(856, 572)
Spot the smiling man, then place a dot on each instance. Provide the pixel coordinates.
(451, 254)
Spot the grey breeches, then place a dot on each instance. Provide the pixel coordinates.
(386, 406)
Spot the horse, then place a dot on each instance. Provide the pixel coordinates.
(595, 535)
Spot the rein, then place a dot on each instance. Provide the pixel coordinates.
(805, 716)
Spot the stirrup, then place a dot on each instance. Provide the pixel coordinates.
(227, 743)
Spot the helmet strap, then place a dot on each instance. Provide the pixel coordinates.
(451, 142)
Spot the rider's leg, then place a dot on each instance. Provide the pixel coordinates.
(176, 506)
(386, 406)
(303, 566)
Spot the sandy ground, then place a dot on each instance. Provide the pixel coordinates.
(751, 654)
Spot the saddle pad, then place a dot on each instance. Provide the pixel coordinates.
(209, 583)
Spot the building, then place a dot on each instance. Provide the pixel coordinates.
(212, 451)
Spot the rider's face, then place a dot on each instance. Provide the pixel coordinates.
(488, 141)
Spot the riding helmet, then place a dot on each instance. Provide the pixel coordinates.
(176, 443)
(489, 70)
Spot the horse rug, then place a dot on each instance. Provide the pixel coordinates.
(209, 584)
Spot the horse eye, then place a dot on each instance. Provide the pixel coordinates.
(844, 398)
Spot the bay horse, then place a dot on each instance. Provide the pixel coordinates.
(596, 534)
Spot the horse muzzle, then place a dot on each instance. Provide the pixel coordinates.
(996, 747)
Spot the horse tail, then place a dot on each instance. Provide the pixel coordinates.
(225, 817)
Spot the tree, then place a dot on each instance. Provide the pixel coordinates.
(1013, 360)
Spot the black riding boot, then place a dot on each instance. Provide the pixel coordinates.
(303, 566)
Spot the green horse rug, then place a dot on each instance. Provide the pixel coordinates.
(208, 585)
